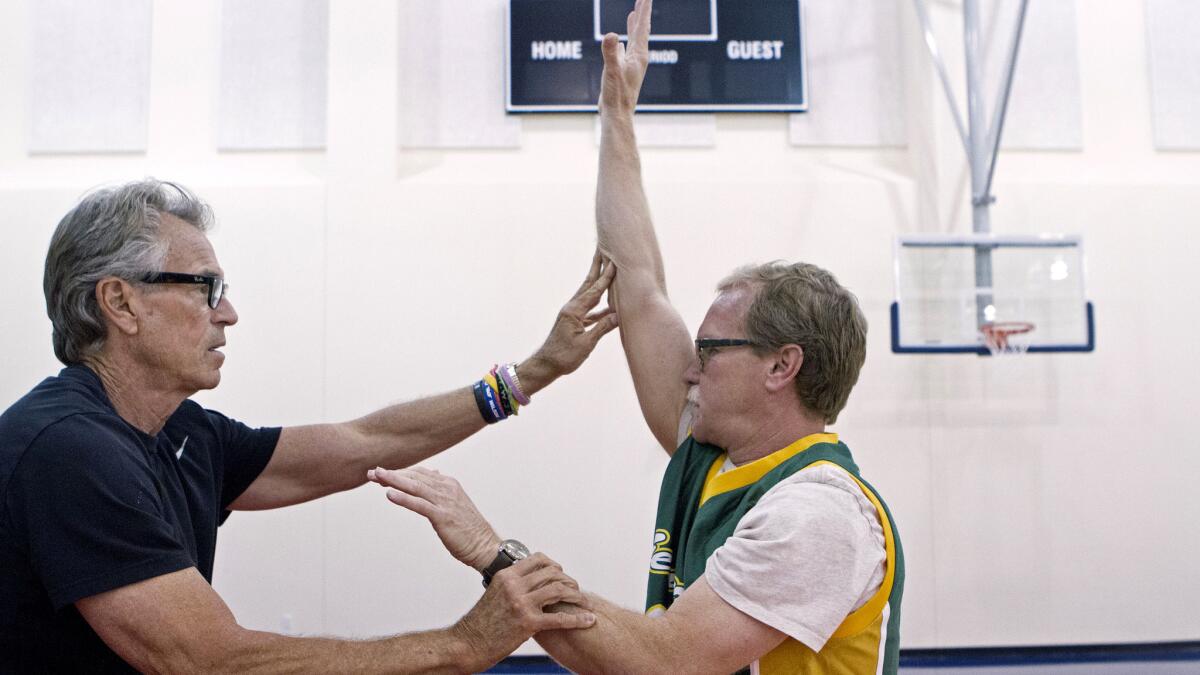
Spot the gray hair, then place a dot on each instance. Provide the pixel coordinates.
(111, 232)
(802, 304)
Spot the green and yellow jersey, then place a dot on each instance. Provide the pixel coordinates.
(700, 507)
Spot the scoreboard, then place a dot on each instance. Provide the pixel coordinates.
(705, 55)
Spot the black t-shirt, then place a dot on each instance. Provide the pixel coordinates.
(88, 503)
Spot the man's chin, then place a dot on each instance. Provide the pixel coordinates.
(209, 381)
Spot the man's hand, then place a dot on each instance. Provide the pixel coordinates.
(576, 332)
(512, 609)
(625, 68)
(441, 499)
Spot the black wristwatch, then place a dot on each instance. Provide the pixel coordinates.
(510, 552)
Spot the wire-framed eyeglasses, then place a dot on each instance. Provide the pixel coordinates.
(216, 285)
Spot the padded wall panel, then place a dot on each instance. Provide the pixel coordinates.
(452, 75)
(855, 71)
(1171, 30)
(89, 77)
(1045, 109)
(274, 68)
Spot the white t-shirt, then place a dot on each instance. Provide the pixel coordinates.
(809, 553)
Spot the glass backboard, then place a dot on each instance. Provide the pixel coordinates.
(952, 289)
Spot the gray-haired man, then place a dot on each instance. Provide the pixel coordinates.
(113, 483)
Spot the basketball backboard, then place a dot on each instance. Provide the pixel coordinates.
(954, 291)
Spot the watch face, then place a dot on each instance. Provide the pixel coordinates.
(514, 549)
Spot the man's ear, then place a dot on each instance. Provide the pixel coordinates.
(784, 367)
(115, 296)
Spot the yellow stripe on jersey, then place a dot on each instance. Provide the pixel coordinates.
(853, 655)
(862, 617)
(747, 474)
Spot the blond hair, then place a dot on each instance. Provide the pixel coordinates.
(802, 304)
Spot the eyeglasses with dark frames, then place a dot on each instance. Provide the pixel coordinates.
(216, 285)
(707, 347)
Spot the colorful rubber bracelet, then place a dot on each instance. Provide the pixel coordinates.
(508, 372)
(493, 404)
(481, 401)
(506, 398)
(500, 397)
(505, 387)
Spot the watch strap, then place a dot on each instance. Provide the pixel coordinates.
(502, 561)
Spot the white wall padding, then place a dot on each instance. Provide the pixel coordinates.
(855, 67)
(1045, 110)
(89, 78)
(1172, 27)
(452, 75)
(274, 74)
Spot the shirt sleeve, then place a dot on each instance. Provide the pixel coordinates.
(245, 453)
(86, 499)
(807, 555)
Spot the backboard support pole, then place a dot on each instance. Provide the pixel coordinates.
(981, 142)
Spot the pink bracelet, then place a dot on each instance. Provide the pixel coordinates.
(508, 372)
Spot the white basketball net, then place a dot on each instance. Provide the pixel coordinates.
(1008, 338)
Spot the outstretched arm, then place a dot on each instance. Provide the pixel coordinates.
(700, 633)
(657, 343)
(177, 623)
(313, 461)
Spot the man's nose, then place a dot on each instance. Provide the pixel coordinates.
(225, 313)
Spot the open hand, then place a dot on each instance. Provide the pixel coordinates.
(576, 331)
(441, 499)
(625, 68)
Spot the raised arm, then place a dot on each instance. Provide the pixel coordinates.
(657, 343)
(313, 461)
